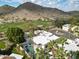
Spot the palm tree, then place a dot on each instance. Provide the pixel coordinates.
(57, 52)
(42, 54)
(51, 46)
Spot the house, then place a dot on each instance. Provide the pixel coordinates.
(6, 57)
(43, 38)
(75, 30)
(12, 56)
(66, 27)
(16, 56)
(71, 46)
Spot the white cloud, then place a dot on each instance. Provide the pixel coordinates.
(9, 1)
(33, 0)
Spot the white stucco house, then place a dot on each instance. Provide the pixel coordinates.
(11, 56)
(66, 27)
(16, 56)
(72, 45)
(43, 38)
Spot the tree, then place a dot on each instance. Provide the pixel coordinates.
(42, 54)
(57, 51)
(74, 20)
(15, 34)
(77, 55)
(51, 46)
(59, 22)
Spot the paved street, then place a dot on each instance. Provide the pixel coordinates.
(60, 32)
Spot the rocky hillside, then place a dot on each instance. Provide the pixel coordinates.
(75, 13)
(31, 11)
(6, 9)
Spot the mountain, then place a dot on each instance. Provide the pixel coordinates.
(6, 9)
(75, 13)
(31, 11)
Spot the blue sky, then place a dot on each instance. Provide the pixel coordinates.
(66, 5)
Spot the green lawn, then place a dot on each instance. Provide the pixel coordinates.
(25, 25)
(2, 45)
